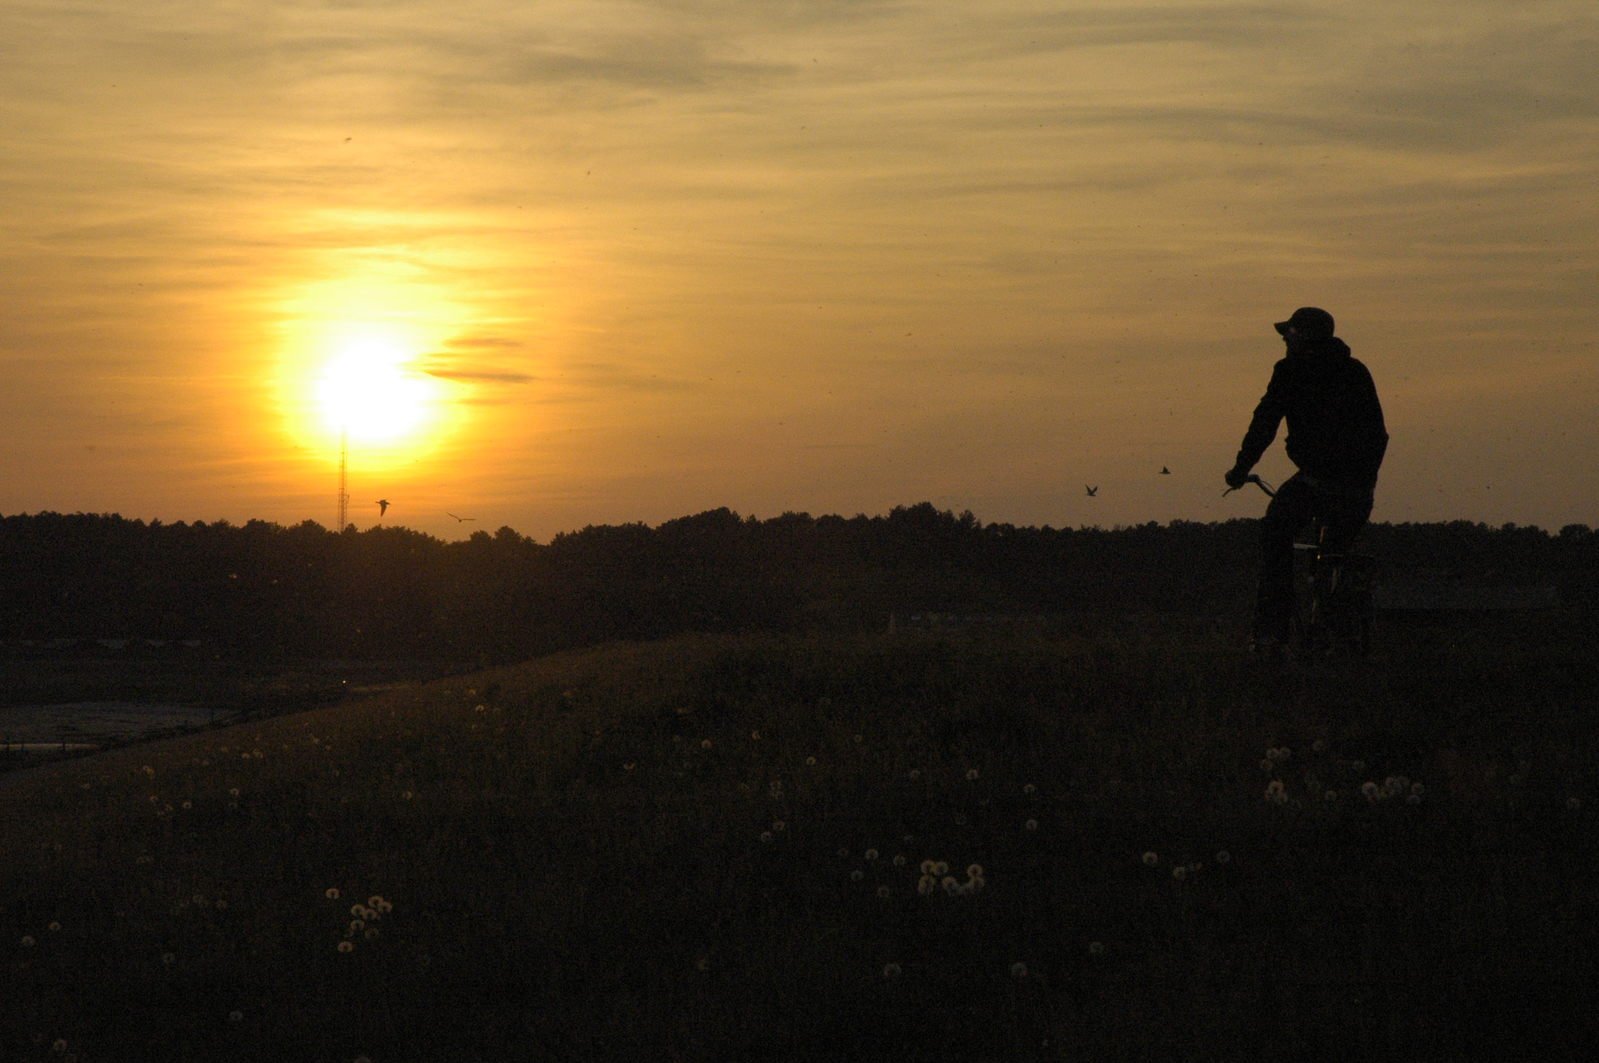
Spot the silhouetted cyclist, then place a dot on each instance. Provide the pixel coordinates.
(1337, 438)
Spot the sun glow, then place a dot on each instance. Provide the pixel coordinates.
(370, 390)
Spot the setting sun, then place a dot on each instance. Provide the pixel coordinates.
(369, 390)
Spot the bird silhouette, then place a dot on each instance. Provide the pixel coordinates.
(447, 513)
(383, 507)
(1093, 492)
(1165, 471)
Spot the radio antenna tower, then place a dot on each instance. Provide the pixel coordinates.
(344, 495)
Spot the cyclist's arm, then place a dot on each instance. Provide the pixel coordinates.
(1273, 406)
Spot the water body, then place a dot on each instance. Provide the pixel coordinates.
(84, 725)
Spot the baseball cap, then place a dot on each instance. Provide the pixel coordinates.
(1310, 320)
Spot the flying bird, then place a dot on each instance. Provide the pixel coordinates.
(383, 507)
(1165, 471)
(1093, 492)
(447, 513)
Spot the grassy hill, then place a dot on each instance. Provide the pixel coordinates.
(919, 846)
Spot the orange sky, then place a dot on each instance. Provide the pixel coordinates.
(650, 258)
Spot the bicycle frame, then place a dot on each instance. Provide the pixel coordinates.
(1333, 600)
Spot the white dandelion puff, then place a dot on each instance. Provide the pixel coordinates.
(705, 743)
(926, 885)
(1413, 799)
(1018, 970)
(883, 892)
(899, 860)
(971, 775)
(1151, 859)
(950, 886)
(168, 959)
(59, 1046)
(1031, 824)
(235, 1016)
(872, 854)
(779, 826)
(766, 836)
(1573, 803)
(941, 868)
(857, 875)
(346, 946)
(28, 941)
(1223, 856)
(1179, 873)
(1370, 790)
(810, 762)
(892, 971)
(1319, 746)
(1029, 789)
(974, 870)
(1417, 789)
(1268, 765)
(54, 927)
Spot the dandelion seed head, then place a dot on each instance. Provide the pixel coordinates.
(1268, 765)
(971, 774)
(899, 860)
(872, 854)
(857, 875)
(59, 1046)
(766, 837)
(810, 762)
(950, 886)
(1413, 799)
(1369, 789)
(1151, 859)
(371, 933)
(926, 885)
(1096, 948)
(974, 871)
(1018, 970)
(914, 774)
(1319, 746)
(346, 946)
(705, 743)
(235, 1016)
(883, 892)
(1179, 873)
(28, 941)
(168, 959)
(779, 826)
(54, 927)
(941, 868)
(892, 971)
(1029, 789)
(1573, 803)
(1031, 824)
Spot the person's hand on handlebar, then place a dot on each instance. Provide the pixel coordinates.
(1237, 477)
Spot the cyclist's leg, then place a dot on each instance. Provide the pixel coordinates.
(1288, 512)
(1343, 512)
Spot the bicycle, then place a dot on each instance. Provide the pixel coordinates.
(1334, 601)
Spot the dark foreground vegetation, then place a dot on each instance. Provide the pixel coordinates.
(268, 592)
(1131, 844)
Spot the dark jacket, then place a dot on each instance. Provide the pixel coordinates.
(1335, 426)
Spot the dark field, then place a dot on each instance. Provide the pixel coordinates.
(1133, 844)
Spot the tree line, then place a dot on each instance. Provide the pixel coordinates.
(268, 590)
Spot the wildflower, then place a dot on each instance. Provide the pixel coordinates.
(168, 959)
(1018, 970)
(234, 792)
(779, 826)
(1357, 766)
(1276, 792)
(1573, 803)
(376, 902)
(1150, 859)
(346, 946)
(1268, 765)
(1370, 789)
(1330, 796)
(187, 805)
(371, 933)
(872, 854)
(843, 852)
(755, 736)
(59, 1046)
(53, 927)
(950, 886)
(971, 774)
(1179, 873)
(960, 820)
(941, 868)
(235, 1016)
(1417, 789)
(1319, 746)
(766, 837)
(858, 739)
(857, 875)
(925, 886)
(899, 859)
(356, 926)
(810, 762)
(1031, 824)
(28, 941)
(148, 771)
(1029, 789)
(480, 708)
(883, 892)
(705, 743)
(915, 773)
(974, 871)
(892, 971)
(1096, 948)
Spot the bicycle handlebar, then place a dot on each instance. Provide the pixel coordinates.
(1271, 492)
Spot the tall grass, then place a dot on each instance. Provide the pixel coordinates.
(764, 848)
